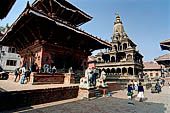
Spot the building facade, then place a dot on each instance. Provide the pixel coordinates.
(9, 59)
(122, 60)
(153, 70)
(165, 61)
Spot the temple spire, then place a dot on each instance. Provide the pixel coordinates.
(119, 31)
(117, 19)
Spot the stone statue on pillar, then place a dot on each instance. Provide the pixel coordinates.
(70, 70)
(100, 82)
(85, 81)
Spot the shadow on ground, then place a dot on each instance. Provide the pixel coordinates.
(100, 105)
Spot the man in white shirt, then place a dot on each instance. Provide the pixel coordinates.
(23, 70)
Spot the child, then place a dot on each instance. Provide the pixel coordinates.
(140, 92)
(129, 94)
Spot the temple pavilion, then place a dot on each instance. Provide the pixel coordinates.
(122, 60)
(47, 32)
(165, 59)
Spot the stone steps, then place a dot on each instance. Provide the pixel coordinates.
(97, 93)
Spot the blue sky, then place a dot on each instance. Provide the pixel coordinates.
(146, 22)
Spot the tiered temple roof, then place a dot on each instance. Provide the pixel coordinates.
(62, 10)
(50, 24)
(151, 66)
(164, 60)
(5, 7)
(165, 45)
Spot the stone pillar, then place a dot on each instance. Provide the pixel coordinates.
(69, 78)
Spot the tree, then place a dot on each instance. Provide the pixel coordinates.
(2, 29)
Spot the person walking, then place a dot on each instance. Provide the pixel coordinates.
(140, 92)
(169, 84)
(130, 92)
(23, 73)
(16, 73)
(132, 84)
(136, 85)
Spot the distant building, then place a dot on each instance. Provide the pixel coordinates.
(165, 45)
(9, 59)
(122, 59)
(164, 60)
(153, 69)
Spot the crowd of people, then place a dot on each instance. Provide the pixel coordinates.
(134, 86)
(23, 73)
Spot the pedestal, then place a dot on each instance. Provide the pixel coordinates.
(69, 78)
(86, 93)
(89, 93)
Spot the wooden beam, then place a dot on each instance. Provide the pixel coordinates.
(38, 28)
(20, 43)
(32, 33)
(45, 7)
(62, 11)
(72, 17)
(51, 6)
(25, 38)
(58, 8)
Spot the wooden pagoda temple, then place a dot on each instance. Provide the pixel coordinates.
(47, 32)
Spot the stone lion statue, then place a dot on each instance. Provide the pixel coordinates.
(100, 81)
(85, 81)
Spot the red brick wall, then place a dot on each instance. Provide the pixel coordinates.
(48, 78)
(113, 86)
(14, 99)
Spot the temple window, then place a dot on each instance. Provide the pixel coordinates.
(108, 70)
(151, 74)
(157, 74)
(124, 46)
(124, 70)
(130, 71)
(112, 70)
(129, 57)
(113, 59)
(99, 59)
(118, 70)
(115, 47)
(120, 48)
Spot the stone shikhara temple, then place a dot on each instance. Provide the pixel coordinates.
(47, 32)
(122, 60)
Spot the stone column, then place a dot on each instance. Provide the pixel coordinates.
(69, 78)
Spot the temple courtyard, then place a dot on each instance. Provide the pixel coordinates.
(116, 103)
